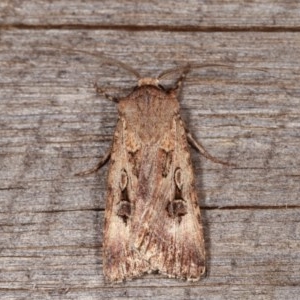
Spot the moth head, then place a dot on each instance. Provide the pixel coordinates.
(150, 81)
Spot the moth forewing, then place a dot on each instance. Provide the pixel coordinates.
(152, 218)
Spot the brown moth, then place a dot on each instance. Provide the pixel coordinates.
(152, 216)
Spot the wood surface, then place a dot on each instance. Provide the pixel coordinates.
(52, 125)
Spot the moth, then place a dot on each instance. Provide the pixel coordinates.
(152, 216)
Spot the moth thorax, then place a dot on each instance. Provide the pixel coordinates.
(148, 81)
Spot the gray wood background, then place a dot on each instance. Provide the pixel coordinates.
(53, 125)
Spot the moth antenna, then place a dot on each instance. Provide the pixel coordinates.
(182, 69)
(201, 66)
(185, 69)
(107, 60)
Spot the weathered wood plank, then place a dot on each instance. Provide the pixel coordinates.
(59, 253)
(226, 292)
(189, 14)
(52, 124)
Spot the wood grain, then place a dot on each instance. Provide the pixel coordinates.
(63, 258)
(168, 14)
(53, 125)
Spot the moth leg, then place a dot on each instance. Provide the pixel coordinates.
(101, 92)
(193, 142)
(100, 164)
